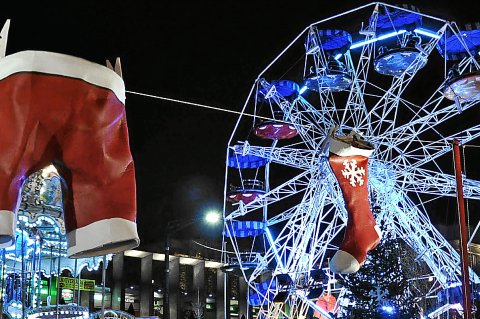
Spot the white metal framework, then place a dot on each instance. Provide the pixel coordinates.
(302, 205)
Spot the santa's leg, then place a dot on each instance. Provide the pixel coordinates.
(349, 162)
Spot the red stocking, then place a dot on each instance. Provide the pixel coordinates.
(349, 162)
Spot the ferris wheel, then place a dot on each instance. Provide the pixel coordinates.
(345, 141)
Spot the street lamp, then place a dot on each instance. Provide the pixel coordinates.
(211, 217)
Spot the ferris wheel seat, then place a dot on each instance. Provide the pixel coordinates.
(244, 195)
(284, 88)
(453, 47)
(242, 229)
(246, 161)
(328, 40)
(396, 61)
(465, 87)
(332, 80)
(275, 130)
(248, 192)
(397, 18)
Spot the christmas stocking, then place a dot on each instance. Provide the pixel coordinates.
(349, 162)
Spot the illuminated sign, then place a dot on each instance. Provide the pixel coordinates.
(72, 283)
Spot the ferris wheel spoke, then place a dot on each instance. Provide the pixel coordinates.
(293, 186)
(295, 236)
(315, 121)
(355, 109)
(413, 130)
(427, 241)
(355, 102)
(322, 242)
(308, 231)
(419, 180)
(306, 228)
(303, 116)
(387, 106)
(427, 151)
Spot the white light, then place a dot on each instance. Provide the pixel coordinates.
(136, 253)
(212, 217)
(457, 306)
(391, 34)
(338, 56)
(49, 171)
(189, 261)
(427, 33)
(272, 244)
(303, 89)
(382, 37)
(313, 50)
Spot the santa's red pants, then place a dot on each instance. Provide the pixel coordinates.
(58, 107)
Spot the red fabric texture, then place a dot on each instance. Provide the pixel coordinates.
(49, 117)
(360, 235)
(326, 302)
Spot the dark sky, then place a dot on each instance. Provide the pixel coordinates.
(208, 52)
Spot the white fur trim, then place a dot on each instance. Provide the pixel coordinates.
(379, 232)
(103, 237)
(341, 148)
(64, 65)
(7, 228)
(343, 263)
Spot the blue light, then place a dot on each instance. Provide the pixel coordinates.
(382, 37)
(395, 33)
(338, 56)
(303, 89)
(427, 33)
(275, 251)
(388, 309)
(391, 34)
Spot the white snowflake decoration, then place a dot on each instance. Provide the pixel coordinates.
(353, 173)
(378, 294)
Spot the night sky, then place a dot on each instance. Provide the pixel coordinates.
(200, 51)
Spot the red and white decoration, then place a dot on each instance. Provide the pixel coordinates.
(56, 107)
(349, 162)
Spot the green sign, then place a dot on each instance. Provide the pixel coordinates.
(72, 283)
